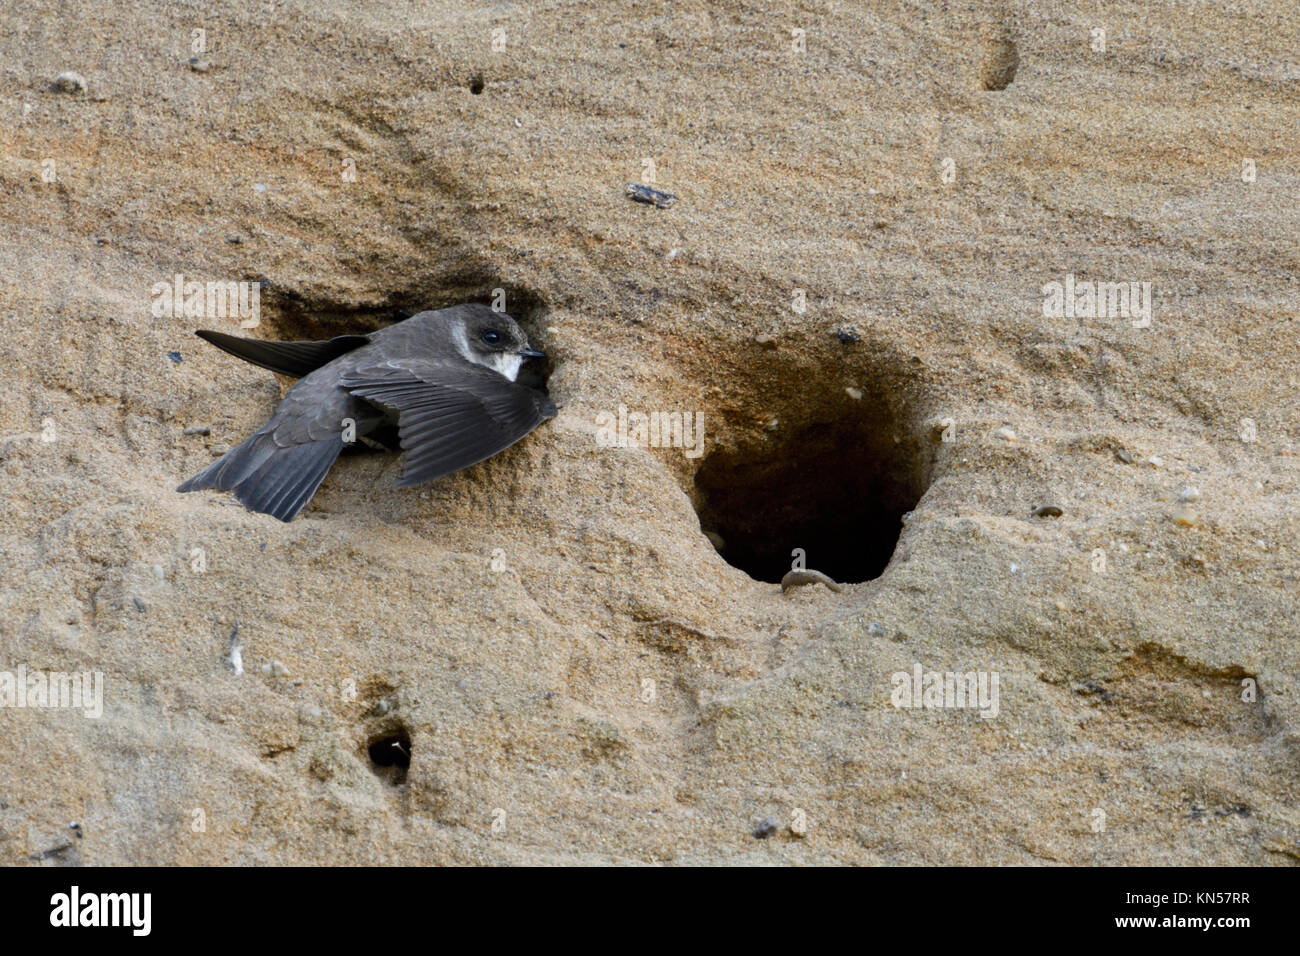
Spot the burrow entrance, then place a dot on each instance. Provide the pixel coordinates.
(833, 476)
(390, 754)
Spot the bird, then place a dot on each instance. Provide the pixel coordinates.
(447, 379)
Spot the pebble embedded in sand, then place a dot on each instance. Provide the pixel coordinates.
(802, 576)
(70, 82)
(1006, 434)
(639, 192)
(1189, 493)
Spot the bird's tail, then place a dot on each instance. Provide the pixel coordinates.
(272, 479)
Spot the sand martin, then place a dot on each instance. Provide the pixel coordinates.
(445, 379)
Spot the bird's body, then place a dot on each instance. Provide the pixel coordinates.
(446, 379)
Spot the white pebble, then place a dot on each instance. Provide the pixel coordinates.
(70, 82)
(1189, 493)
(854, 393)
(1006, 434)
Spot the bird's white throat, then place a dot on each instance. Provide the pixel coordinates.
(508, 364)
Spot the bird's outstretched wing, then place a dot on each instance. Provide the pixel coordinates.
(449, 416)
(288, 358)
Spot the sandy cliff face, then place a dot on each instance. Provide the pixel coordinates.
(544, 658)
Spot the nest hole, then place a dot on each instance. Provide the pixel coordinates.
(830, 492)
(390, 755)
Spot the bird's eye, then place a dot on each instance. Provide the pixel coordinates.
(491, 336)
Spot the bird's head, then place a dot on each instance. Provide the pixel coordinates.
(493, 339)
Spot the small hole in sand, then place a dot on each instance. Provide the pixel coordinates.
(1001, 60)
(390, 755)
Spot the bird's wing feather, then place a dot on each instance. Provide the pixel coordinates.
(450, 416)
(288, 358)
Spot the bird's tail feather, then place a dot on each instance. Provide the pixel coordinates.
(269, 478)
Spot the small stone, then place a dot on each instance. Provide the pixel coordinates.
(175, 357)
(70, 82)
(766, 827)
(158, 573)
(1189, 493)
(854, 393)
(1185, 517)
(1048, 511)
(275, 669)
(773, 425)
(847, 334)
(875, 629)
(1006, 434)
(1124, 456)
(767, 340)
(639, 192)
(139, 605)
(673, 254)
(198, 430)
(199, 66)
(1156, 461)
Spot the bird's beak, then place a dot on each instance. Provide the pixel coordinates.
(531, 353)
